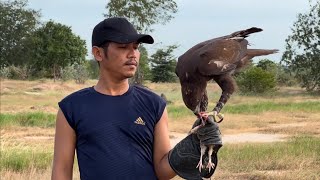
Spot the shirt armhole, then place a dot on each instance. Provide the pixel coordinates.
(162, 106)
(67, 111)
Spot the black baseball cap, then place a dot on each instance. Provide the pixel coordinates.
(119, 30)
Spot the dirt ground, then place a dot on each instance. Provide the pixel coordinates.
(236, 138)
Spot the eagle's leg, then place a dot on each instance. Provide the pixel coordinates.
(202, 107)
(202, 151)
(228, 85)
(195, 129)
(200, 112)
(210, 164)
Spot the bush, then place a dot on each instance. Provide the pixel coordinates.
(256, 80)
(282, 74)
(78, 72)
(67, 73)
(19, 72)
(5, 72)
(285, 77)
(92, 68)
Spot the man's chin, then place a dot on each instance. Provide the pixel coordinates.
(129, 75)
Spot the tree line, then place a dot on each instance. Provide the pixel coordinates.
(32, 49)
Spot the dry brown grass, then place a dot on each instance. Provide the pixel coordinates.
(27, 137)
(41, 95)
(288, 123)
(33, 174)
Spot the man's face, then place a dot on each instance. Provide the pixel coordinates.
(121, 60)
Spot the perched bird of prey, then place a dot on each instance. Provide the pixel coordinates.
(215, 59)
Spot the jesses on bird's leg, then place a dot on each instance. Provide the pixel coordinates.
(216, 110)
(217, 117)
(195, 129)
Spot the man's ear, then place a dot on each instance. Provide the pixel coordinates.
(97, 53)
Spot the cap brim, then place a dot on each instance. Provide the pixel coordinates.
(125, 39)
(145, 38)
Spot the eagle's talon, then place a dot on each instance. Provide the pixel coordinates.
(218, 118)
(199, 166)
(210, 166)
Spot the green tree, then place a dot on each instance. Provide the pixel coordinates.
(302, 53)
(163, 65)
(55, 47)
(144, 13)
(144, 63)
(143, 70)
(16, 24)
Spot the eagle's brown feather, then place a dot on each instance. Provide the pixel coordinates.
(215, 59)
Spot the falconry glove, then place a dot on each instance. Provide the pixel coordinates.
(184, 157)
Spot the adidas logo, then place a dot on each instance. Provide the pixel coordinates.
(139, 121)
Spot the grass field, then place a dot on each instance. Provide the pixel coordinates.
(27, 121)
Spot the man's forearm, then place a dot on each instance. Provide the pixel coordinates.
(61, 174)
(164, 170)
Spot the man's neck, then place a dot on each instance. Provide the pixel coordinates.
(112, 88)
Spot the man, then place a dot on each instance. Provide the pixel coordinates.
(119, 131)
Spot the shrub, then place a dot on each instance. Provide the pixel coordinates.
(78, 72)
(92, 68)
(285, 77)
(282, 74)
(19, 72)
(256, 80)
(67, 73)
(5, 72)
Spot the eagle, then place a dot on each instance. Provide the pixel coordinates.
(215, 59)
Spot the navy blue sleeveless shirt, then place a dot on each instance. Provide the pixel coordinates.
(114, 134)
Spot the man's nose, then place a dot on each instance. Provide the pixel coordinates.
(133, 52)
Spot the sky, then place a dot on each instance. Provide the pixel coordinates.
(195, 21)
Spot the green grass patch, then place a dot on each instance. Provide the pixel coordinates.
(34, 119)
(256, 108)
(19, 160)
(178, 111)
(297, 152)
(271, 106)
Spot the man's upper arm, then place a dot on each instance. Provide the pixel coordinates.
(161, 148)
(64, 147)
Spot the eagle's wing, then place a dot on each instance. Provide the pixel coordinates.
(220, 56)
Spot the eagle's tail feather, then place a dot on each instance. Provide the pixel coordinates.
(261, 52)
(245, 33)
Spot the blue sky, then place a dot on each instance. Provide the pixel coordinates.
(195, 21)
